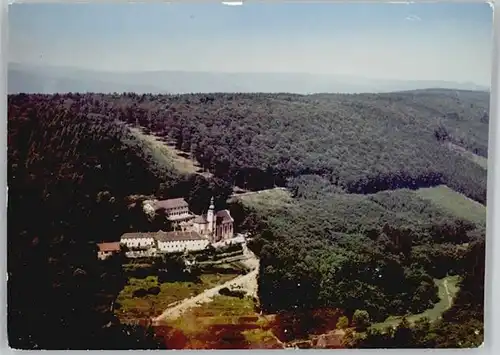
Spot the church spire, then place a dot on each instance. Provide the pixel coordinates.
(211, 217)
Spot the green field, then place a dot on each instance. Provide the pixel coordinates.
(479, 160)
(167, 154)
(448, 288)
(454, 202)
(266, 199)
(136, 308)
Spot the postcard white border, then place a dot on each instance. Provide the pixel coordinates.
(492, 309)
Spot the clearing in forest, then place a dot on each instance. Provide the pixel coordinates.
(458, 204)
(479, 160)
(167, 154)
(447, 290)
(265, 199)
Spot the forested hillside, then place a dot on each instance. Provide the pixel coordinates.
(74, 163)
(378, 253)
(68, 174)
(361, 143)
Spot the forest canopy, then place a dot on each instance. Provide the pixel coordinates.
(74, 158)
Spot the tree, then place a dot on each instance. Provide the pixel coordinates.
(210, 249)
(423, 336)
(361, 319)
(403, 335)
(343, 322)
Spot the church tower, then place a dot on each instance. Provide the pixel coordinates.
(211, 218)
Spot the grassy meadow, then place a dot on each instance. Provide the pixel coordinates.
(454, 202)
(133, 308)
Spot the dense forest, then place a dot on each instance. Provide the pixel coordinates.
(74, 166)
(361, 143)
(379, 253)
(460, 326)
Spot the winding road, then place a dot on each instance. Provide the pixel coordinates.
(247, 282)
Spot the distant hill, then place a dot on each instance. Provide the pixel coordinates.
(40, 79)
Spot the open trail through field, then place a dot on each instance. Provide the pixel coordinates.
(448, 289)
(247, 282)
(448, 293)
(167, 154)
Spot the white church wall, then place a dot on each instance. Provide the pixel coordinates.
(172, 246)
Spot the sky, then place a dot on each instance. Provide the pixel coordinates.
(433, 41)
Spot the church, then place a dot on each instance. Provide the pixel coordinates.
(216, 226)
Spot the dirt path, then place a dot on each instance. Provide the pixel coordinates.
(246, 282)
(167, 154)
(448, 295)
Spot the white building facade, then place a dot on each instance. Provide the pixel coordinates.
(150, 244)
(176, 209)
(138, 240)
(171, 242)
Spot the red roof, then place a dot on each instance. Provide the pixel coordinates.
(107, 247)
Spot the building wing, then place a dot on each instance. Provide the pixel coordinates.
(171, 204)
(109, 247)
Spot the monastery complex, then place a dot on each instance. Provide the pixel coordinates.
(191, 232)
